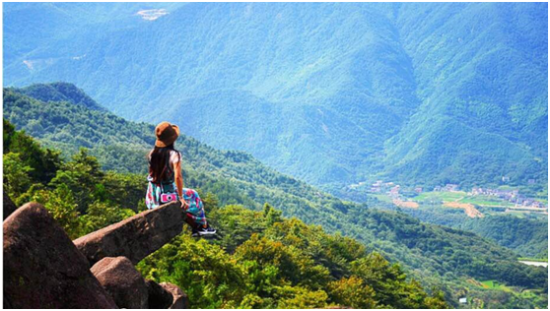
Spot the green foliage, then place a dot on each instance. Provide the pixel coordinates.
(527, 236)
(208, 275)
(83, 176)
(80, 197)
(16, 177)
(352, 292)
(532, 240)
(286, 264)
(438, 257)
(43, 162)
(60, 91)
(271, 215)
(63, 207)
(100, 215)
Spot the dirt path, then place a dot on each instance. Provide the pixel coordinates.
(469, 209)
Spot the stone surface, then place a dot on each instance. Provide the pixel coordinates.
(43, 268)
(180, 300)
(122, 281)
(135, 237)
(9, 206)
(159, 298)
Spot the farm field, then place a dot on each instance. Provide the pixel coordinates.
(462, 197)
(474, 206)
(490, 284)
(494, 285)
(434, 196)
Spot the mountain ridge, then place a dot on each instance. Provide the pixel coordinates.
(357, 90)
(238, 178)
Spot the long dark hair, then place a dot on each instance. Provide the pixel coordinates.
(159, 164)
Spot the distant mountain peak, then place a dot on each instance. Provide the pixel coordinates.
(60, 91)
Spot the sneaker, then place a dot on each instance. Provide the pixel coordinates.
(207, 231)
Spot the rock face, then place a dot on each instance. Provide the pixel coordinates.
(179, 298)
(159, 298)
(135, 237)
(9, 206)
(43, 268)
(122, 281)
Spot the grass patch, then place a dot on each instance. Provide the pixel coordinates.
(533, 259)
(381, 197)
(491, 284)
(440, 196)
(462, 197)
(486, 201)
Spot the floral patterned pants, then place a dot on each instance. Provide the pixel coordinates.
(195, 208)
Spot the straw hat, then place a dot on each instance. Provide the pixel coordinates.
(166, 134)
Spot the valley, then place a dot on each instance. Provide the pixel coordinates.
(475, 203)
(237, 178)
(394, 153)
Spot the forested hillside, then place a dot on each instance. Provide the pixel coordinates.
(331, 93)
(276, 263)
(526, 236)
(437, 256)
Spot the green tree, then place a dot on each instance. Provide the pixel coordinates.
(62, 206)
(352, 292)
(16, 175)
(207, 274)
(100, 215)
(44, 162)
(301, 298)
(271, 215)
(83, 176)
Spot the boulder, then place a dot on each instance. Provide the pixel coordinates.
(179, 300)
(135, 237)
(9, 206)
(43, 268)
(159, 298)
(122, 281)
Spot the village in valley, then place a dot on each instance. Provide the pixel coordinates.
(503, 199)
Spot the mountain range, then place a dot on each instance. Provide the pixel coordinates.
(454, 261)
(333, 94)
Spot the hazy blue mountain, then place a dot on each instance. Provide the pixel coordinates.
(482, 79)
(31, 28)
(330, 93)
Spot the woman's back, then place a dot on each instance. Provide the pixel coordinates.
(162, 163)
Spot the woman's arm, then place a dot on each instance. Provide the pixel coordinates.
(178, 178)
(179, 183)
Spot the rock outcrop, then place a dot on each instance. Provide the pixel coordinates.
(9, 206)
(159, 298)
(179, 297)
(42, 266)
(122, 281)
(135, 237)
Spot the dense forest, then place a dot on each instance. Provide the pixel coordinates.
(262, 261)
(84, 182)
(526, 236)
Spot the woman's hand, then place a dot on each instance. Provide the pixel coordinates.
(184, 205)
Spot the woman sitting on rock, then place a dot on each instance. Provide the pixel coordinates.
(166, 181)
